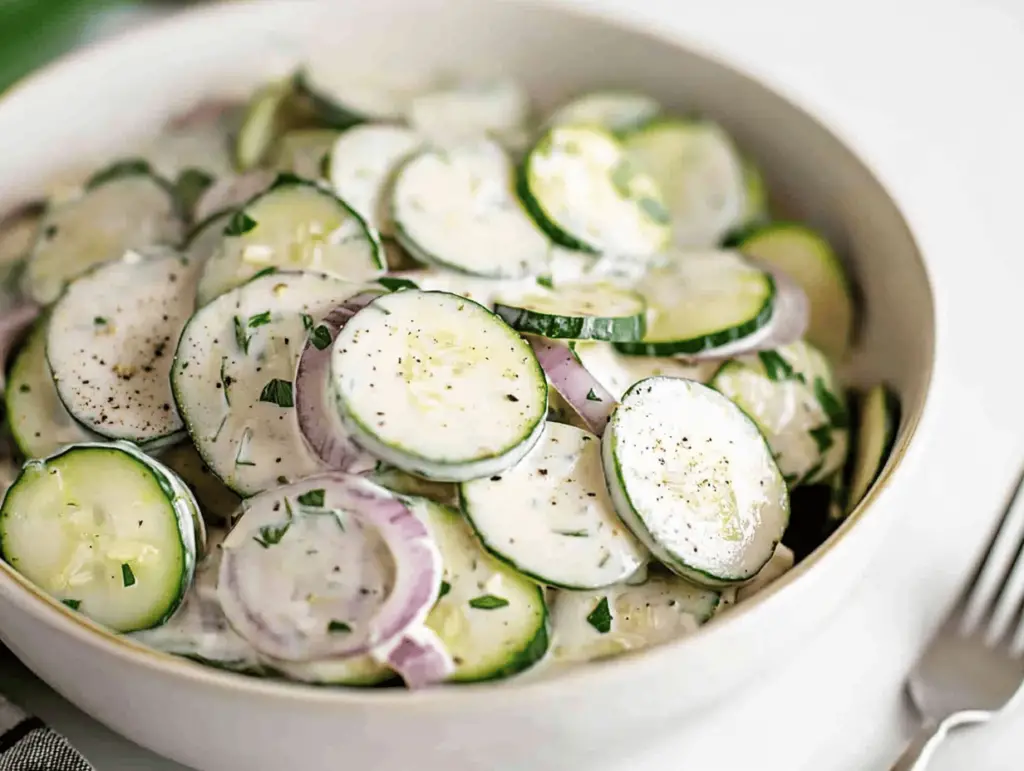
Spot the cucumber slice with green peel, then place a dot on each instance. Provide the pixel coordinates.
(362, 168)
(793, 396)
(550, 516)
(272, 111)
(110, 340)
(578, 184)
(353, 672)
(576, 312)
(295, 225)
(700, 174)
(232, 376)
(229, 193)
(808, 259)
(217, 502)
(412, 370)
(617, 111)
(618, 371)
(341, 98)
(38, 420)
(695, 480)
(105, 529)
(698, 301)
(877, 419)
(493, 621)
(469, 111)
(303, 152)
(398, 481)
(119, 210)
(456, 209)
(755, 210)
(595, 625)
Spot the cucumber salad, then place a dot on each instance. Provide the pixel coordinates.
(404, 381)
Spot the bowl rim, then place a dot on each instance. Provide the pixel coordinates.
(58, 616)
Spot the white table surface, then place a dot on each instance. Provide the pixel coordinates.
(931, 90)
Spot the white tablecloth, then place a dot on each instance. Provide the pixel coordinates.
(931, 90)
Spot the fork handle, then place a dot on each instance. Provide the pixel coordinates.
(922, 747)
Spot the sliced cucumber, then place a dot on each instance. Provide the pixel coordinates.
(39, 422)
(303, 152)
(456, 209)
(480, 290)
(489, 109)
(576, 312)
(616, 111)
(877, 420)
(203, 143)
(110, 341)
(105, 529)
(617, 371)
(354, 672)
(780, 564)
(273, 110)
(362, 166)
(702, 300)
(398, 481)
(341, 98)
(293, 225)
(793, 396)
(694, 479)
(225, 361)
(206, 237)
(596, 625)
(414, 370)
(550, 516)
(489, 639)
(808, 259)
(700, 174)
(579, 186)
(755, 212)
(217, 502)
(122, 208)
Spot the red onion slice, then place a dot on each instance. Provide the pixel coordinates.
(576, 385)
(332, 566)
(203, 113)
(229, 192)
(419, 657)
(13, 325)
(788, 322)
(314, 405)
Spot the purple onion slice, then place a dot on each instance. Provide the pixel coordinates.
(419, 657)
(13, 324)
(331, 566)
(314, 404)
(229, 192)
(576, 385)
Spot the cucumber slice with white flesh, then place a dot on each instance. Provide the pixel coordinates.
(755, 210)
(694, 479)
(202, 142)
(700, 174)
(110, 341)
(456, 209)
(576, 312)
(39, 422)
(217, 502)
(808, 259)
(341, 98)
(106, 530)
(122, 208)
(781, 563)
(362, 166)
(483, 291)
(616, 111)
(492, 620)
(550, 516)
(413, 370)
(793, 396)
(578, 184)
(701, 300)
(272, 111)
(596, 625)
(230, 193)
(496, 109)
(617, 371)
(294, 225)
(877, 420)
(233, 371)
(303, 152)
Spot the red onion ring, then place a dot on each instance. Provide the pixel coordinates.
(13, 325)
(576, 385)
(206, 111)
(419, 657)
(318, 420)
(233, 191)
(299, 630)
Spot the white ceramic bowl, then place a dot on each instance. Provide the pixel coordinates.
(90, 106)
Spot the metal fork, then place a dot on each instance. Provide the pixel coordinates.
(974, 666)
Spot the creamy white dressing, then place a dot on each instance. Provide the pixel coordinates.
(617, 111)
(781, 563)
(498, 109)
(617, 371)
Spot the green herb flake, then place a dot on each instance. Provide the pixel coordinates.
(73, 604)
(338, 627)
(572, 533)
(127, 576)
(601, 617)
(259, 320)
(593, 397)
(320, 337)
(445, 588)
(99, 321)
(325, 165)
(488, 602)
(655, 209)
(307, 321)
(833, 407)
(271, 535)
(622, 178)
(775, 367)
(239, 224)
(190, 186)
(225, 380)
(240, 336)
(546, 281)
(278, 392)
(393, 284)
(282, 480)
(312, 498)
(822, 436)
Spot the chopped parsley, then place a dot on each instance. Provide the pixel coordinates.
(822, 436)
(225, 380)
(776, 367)
(572, 533)
(395, 284)
(278, 392)
(73, 604)
(833, 407)
(127, 576)
(240, 336)
(239, 224)
(338, 627)
(259, 320)
(320, 337)
(307, 321)
(271, 535)
(314, 498)
(325, 165)
(99, 321)
(546, 281)
(445, 588)
(593, 397)
(601, 617)
(241, 456)
(488, 602)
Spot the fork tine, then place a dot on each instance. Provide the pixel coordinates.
(1008, 600)
(997, 564)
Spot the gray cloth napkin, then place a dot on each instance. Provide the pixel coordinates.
(28, 744)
